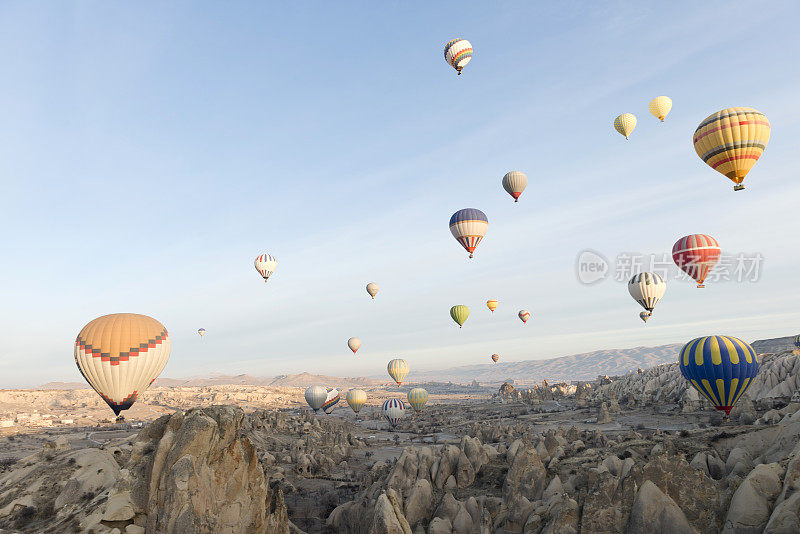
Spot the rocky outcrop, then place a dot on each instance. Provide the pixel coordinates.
(654, 512)
(777, 380)
(196, 473)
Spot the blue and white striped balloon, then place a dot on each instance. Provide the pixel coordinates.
(266, 265)
(469, 226)
(393, 410)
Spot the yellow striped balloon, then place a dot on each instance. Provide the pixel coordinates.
(491, 304)
(398, 370)
(660, 107)
(356, 398)
(720, 368)
(459, 313)
(731, 140)
(417, 398)
(625, 124)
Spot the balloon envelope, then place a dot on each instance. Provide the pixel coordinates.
(457, 53)
(372, 289)
(495, 357)
(660, 107)
(331, 398)
(393, 410)
(491, 304)
(398, 370)
(354, 343)
(647, 289)
(201, 331)
(315, 397)
(120, 355)
(514, 183)
(644, 316)
(524, 315)
(356, 398)
(731, 140)
(469, 226)
(797, 342)
(266, 265)
(625, 124)
(696, 255)
(417, 398)
(459, 313)
(720, 368)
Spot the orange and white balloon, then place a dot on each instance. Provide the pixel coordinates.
(120, 355)
(372, 289)
(524, 315)
(514, 183)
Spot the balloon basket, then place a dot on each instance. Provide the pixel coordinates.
(120, 419)
(701, 286)
(738, 187)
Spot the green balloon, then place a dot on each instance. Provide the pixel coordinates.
(459, 313)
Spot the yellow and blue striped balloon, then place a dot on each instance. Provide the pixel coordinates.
(720, 368)
(797, 341)
(398, 370)
(356, 398)
(417, 398)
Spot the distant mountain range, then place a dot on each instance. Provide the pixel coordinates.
(587, 366)
(298, 380)
(779, 344)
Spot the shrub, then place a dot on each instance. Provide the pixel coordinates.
(8, 462)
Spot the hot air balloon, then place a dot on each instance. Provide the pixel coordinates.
(514, 183)
(457, 53)
(720, 368)
(491, 304)
(730, 141)
(331, 398)
(393, 410)
(265, 265)
(797, 342)
(398, 370)
(495, 357)
(459, 313)
(316, 396)
(417, 398)
(120, 355)
(660, 107)
(372, 289)
(469, 226)
(524, 315)
(696, 255)
(201, 332)
(356, 398)
(625, 124)
(354, 343)
(644, 316)
(647, 289)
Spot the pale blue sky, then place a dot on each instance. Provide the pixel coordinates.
(149, 151)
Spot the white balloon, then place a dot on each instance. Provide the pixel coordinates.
(354, 343)
(315, 397)
(647, 289)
